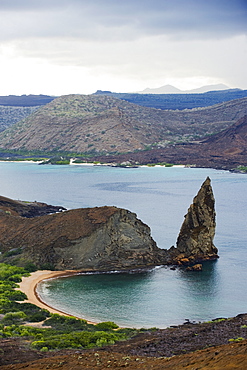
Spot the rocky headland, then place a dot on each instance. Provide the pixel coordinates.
(101, 238)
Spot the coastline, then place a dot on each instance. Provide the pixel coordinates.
(29, 284)
(94, 164)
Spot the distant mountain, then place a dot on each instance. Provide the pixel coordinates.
(104, 124)
(207, 88)
(178, 101)
(169, 89)
(25, 100)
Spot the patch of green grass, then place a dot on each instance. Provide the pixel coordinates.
(242, 169)
(239, 339)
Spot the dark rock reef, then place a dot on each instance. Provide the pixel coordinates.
(102, 238)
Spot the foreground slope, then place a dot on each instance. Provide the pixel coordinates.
(190, 346)
(103, 124)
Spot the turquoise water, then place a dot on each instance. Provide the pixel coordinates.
(160, 197)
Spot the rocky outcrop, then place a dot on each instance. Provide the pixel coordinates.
(195, 240)
(197, 267)
(27, 209)
(103, 238)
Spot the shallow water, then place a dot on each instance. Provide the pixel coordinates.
(160, 197)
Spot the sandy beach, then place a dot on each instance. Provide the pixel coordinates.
(28, 286)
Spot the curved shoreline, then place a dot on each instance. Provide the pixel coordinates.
(28, 285)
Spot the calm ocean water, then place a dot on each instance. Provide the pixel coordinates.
(160, 197)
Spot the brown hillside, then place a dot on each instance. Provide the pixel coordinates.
(227, 150)
(100, 238)
(229, 142)
(82, 123)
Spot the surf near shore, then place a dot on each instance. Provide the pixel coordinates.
(28, 285)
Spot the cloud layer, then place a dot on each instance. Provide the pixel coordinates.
(127, 40)
(129, 19)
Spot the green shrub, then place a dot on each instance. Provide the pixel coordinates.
(37, 317)
(78, 340)
(67, 324)
(15, 295)
(30, 267)
(7, 271)
(13, 318)
(16, 278)
(108, 325)
(44, 349)
(239, 339)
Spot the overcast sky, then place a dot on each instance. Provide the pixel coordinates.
(59, 47)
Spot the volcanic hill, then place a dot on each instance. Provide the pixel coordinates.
(103, 124)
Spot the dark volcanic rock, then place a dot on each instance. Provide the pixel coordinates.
(197, 232)
(27, 209)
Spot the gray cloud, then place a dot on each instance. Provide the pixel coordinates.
(114, 44)
(118, 20)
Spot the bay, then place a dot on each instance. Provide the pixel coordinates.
(160, 197)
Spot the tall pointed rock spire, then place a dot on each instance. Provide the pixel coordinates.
(198, 229)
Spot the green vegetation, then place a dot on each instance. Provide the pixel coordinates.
(216, 320)
(242, 169)
(239, 339)
(160, 164)
(59, 331)
(57, 160)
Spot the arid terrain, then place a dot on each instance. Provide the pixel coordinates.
(103, 124)
(225, 150)
(217, 345)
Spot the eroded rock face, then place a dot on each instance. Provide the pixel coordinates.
(100, 238)
(196, 235)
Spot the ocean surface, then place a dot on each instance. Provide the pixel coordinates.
(160, 197)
